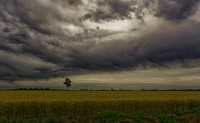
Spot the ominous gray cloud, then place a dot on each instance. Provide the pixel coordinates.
(107, 10)
(52, 38)
(177, 9)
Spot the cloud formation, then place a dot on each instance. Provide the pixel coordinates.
(107, 10)
(177, 9)
(52, 38)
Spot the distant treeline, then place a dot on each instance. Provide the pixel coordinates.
(141, 90)
(34, 89)
(111, 89)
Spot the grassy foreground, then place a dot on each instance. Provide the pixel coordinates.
(99, 106)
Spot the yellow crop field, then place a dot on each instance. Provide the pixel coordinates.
(68, 96)
(36, 104)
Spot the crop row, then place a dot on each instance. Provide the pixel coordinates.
(38, 109)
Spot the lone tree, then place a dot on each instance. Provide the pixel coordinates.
(67, 82)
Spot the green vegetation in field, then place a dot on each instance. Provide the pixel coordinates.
(89, 108)
(115, 117)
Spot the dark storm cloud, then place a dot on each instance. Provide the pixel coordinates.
(176, 9)
(179, 43)
(68, 2)
(50, 38)
(108, 10)
(15, 66)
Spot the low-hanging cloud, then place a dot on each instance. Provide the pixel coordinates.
(52, 38)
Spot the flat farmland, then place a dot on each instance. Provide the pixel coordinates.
(76, 96)
(29, 104)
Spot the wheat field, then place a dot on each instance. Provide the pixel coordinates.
(36, 104)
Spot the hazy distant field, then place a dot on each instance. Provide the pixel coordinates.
(74, 104)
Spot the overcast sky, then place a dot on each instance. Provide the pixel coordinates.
(100, 41)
